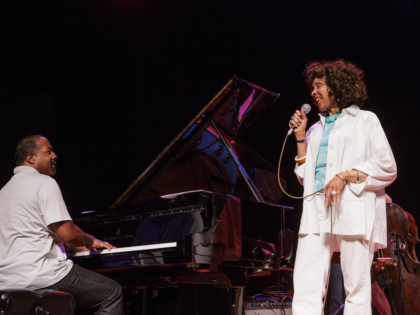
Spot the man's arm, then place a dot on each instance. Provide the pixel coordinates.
(75, 237)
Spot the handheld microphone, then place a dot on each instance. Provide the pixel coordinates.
(306, 109)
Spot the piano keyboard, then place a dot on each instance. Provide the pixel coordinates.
(124, 250)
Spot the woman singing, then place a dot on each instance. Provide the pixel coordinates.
(346, 153)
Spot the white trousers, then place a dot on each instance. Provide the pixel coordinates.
(311, 272)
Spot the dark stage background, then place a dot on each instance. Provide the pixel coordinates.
(110, 83)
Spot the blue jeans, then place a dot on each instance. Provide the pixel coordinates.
(91, 290)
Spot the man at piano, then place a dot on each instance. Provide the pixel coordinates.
(347, 154)
(34, 222)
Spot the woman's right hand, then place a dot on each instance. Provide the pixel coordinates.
(299, 123)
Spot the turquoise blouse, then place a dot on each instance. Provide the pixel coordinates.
(321, 161)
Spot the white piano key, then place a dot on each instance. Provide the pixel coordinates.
(124, 249)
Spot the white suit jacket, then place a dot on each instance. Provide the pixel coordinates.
(356, 142)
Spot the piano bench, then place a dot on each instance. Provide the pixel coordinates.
(25, 302)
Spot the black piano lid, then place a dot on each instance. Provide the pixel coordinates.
(236, 106)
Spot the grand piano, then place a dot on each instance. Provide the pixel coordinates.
(203, 217)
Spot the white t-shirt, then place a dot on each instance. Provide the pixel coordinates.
(30, 254)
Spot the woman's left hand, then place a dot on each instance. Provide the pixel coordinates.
(336, 184)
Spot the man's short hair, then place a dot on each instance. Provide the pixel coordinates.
(25, 146)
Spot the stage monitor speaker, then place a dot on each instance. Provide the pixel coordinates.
(267, 305)
(287, 311)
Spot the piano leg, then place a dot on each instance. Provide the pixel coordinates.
(239, 297)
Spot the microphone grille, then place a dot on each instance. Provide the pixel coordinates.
(306, 108)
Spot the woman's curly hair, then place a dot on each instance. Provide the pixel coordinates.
(345, 80)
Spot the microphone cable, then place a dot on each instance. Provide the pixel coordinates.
(279, 181)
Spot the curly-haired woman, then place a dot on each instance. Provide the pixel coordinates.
(346, 153)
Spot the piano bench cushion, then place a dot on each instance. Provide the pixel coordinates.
(26, 302)
(59, 303)
(19, 302)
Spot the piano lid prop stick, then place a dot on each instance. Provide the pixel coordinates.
(243, 172)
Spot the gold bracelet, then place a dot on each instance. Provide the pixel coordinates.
(358, 177)
(301, 162)
(349, 176)
(338, 175)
